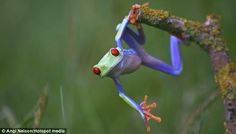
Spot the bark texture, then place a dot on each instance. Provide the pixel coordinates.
(209, 37)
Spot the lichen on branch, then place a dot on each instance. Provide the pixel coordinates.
(226, 78)
(208, 35)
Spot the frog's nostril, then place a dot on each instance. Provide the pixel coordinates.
(115, 52)
(96, 70)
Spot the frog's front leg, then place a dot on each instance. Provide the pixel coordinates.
(129, 34)
(127, 99)
(144, 109)
(123, 28)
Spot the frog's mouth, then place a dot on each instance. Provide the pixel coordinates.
(108, 62)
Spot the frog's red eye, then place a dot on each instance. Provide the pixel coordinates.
(96, 70)
(115, 52)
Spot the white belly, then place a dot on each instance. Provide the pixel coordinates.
(130, 64)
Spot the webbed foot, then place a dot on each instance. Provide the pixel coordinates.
(134, 14)
(146, 110)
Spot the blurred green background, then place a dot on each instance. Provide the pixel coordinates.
(57, 42)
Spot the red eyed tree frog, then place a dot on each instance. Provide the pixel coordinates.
(118, 61)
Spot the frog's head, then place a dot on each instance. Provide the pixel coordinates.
(108, 62)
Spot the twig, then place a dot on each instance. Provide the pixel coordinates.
(208, 36)
(41, 108)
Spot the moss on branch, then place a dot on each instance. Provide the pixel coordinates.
(226, 78)
(208, 36)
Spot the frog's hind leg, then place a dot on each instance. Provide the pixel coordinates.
(140, 36)
(175, 68)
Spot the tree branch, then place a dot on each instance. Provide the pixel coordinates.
(209, 37)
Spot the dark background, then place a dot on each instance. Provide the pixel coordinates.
(56, 43)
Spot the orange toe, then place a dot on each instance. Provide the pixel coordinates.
(146, 109)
